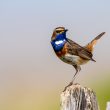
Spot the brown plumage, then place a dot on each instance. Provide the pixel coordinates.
(90, 46)
(71, 52)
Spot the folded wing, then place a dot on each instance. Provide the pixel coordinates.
(76, 49)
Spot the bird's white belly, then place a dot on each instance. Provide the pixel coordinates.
(73, 59)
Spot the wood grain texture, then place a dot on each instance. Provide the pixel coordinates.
(77, 97)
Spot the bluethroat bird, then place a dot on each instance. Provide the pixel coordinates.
(69, 51)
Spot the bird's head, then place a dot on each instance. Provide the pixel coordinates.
(59, 33)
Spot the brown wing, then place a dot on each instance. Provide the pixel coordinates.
(76, 49)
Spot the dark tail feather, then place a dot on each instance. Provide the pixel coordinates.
(93, 59)
(91, 45)
(98, 37)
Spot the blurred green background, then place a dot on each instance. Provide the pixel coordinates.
(31, 76)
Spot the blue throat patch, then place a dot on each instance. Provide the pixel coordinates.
(59, 42)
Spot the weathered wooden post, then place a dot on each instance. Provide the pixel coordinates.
(77, 97)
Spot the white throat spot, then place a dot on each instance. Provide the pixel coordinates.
(58, 42)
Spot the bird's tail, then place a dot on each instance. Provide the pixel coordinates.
(91, 45)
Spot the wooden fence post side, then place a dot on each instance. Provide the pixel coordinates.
(77, 97)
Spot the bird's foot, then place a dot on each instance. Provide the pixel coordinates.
(68, 85)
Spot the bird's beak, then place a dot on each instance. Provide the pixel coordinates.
(66, 30)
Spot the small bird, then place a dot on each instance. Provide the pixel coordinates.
(69, 51)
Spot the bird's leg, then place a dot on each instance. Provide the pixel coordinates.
(74, 76)
(78, 68)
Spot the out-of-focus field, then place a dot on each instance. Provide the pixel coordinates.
(43, 99)
(102, 90)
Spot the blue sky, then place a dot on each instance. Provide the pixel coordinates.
(26, 28)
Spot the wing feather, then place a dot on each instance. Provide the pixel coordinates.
(76, 49)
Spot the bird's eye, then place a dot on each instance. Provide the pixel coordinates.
(58, 31)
